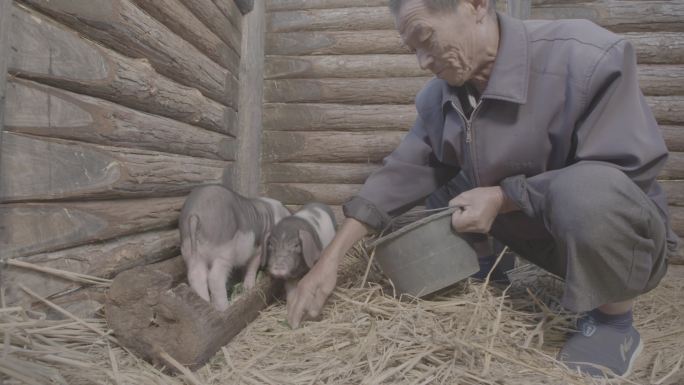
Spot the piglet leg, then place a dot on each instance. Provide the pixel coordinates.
(252, 268)
(218, 275)
(197, 276)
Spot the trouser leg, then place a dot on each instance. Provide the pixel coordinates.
(608, 235)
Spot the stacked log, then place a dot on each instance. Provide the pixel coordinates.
(340, 87)
(115, 111)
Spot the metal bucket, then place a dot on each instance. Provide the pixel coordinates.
(425, 256)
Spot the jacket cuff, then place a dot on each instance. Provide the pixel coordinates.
(515, 189)
(366, 212)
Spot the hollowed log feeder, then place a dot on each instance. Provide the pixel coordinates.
(152, 310)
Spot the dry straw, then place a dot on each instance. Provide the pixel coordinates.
(472, 334)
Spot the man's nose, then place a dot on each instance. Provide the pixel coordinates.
(425, 60)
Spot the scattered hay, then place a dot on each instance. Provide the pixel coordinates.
(471, 334)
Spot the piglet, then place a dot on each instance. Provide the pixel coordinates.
(222, 230)
(297, 241)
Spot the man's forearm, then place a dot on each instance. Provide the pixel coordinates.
(349, 233)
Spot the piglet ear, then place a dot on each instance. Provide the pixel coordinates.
(310, 249)
(264, 250)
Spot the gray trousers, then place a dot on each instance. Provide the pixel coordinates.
(598, 230)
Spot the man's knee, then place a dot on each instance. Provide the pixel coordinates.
(581, 198)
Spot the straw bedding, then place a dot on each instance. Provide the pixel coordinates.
(473, 334)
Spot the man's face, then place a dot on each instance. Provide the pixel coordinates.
(444, 42)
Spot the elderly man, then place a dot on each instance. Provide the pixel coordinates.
(545, 122)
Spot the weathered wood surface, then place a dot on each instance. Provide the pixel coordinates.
(677, 219)
(335, 43)
(126, 28)
(674, 168)
(353, 91)
(668, 110)
(674, 137)
(233, 10)
(657, 47)
(337, 117)
(289, 5)
(356, 173)
(662, 80)
(303, 193)
(338, 173)
(47, 52)
(654, 81)
(520, 9)
(619, 16)
(41, 169)
(146, 305)
(103, 260)
(185, 24)
(343, 66)
(46, 111)
(651, 47)
(5, 53)
(675, 192)
(215, 20)
(248, 168)
(44, 227)
(344, 147)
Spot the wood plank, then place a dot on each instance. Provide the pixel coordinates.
(651, 47)
(248, 167)
(337, 117)
(291, 5)
(333, 147)
(657, 47)
(185, 24)
(662, 80)
(40, 169)
(619, 16)
(668, 110)
(33, 228)
(126, 28)
(520, 9)
(656, 81)
(303, 193)
(46, 111)
(343, 66)
(675, 192)
(5, 57)
(49, 53)
(338, 173)
(674, 137)
(212, 17)
(335, 43)
(677, 220)
(674, 168)
(104, 259)
(352, 91)
(233, 10)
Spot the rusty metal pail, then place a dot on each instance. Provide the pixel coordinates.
(425, 256)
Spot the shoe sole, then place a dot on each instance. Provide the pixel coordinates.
(636, 354)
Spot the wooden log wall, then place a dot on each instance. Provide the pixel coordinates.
(115, 110)
(340, 87)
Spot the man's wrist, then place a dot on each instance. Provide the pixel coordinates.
(507, 204)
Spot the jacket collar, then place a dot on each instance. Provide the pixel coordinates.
(510, 74)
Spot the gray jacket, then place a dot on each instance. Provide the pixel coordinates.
(560, 93)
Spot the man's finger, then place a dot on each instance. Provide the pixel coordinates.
(295, 313)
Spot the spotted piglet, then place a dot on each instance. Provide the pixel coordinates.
(296, 243)
(222, 230)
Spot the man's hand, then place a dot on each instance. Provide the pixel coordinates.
(315, 287)
(479, 208)
(313, 290)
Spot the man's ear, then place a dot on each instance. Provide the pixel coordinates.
(310, 250)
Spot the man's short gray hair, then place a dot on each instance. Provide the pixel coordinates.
(435, 5)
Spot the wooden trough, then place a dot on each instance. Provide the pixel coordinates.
(111, 111)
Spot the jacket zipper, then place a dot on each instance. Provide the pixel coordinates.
(469, 136)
